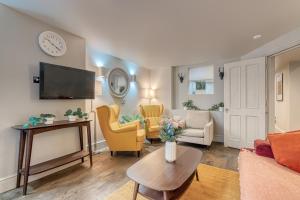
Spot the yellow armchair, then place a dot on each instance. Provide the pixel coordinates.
(152, 115)
(120, 137)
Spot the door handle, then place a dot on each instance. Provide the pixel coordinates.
(226, 109)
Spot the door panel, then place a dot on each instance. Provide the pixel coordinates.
(235, 130)
(244, 100)
(251, 130)
(235, 85)
(252, 80)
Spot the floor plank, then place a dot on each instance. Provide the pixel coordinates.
(107, 174)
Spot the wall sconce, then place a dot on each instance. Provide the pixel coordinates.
(221, 72)
(181, 77)
(100, 73)
(133, 78)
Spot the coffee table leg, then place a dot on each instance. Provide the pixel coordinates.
(166, 197)
(136, 190)
(197, 175)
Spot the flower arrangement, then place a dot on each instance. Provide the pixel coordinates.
(170, 129)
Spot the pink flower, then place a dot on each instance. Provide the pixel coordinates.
(175, 124)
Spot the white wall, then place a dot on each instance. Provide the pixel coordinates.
(181, 90)
(282, 108)
(287, 111)
(19, 61)
(294, 95)
(161, 82)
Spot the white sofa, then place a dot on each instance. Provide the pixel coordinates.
(199, 127)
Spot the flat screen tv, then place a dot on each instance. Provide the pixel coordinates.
(60, 82)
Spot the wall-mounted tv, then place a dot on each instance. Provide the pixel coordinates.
(60, 82)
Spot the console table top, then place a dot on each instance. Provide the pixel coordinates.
(55, 124)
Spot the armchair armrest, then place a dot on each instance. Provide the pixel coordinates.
(135, 122)
(209, 132)
(129, 128)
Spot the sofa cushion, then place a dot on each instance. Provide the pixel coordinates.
(197, 119)
(262, 178)
(263, 148)
(286, 149)
(193, 132)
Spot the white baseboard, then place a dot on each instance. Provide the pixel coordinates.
(218, 138)
(100, 146)
(9, 182)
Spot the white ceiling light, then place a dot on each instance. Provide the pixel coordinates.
(255, 37)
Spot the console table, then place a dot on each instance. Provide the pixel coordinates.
(26, 140)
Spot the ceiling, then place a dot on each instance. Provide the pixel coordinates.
(159, 33)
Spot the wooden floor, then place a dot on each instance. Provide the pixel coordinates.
(107, 175)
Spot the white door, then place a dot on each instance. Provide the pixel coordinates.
(244, 102)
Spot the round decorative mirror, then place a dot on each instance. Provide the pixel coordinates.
(118, 81)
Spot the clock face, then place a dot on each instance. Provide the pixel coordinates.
(52, 43)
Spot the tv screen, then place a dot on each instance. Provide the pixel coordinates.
(59, 82)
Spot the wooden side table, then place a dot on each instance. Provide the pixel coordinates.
(26, 140)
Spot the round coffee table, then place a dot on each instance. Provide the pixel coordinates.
(157, 179)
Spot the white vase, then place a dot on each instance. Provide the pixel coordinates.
(49, 120)
(72, 118)
(170, 151)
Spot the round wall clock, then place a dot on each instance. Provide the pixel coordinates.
(52, 43)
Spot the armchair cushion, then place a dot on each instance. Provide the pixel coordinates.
(197, 119)
(193, 132)
(154, 128)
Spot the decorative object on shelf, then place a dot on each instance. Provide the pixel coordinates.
(170, 130)
(279, 86)
(221, 72)
(181, 77)
(130, 118)
(189, 105)
(217, 107)
(74, 115)
(52, 43)
(32, 121)
(47, 118)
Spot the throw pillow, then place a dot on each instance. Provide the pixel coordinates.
(263, 148)
(286, 149)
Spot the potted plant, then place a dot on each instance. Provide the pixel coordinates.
(221, 106)
(189, 105)
(47, 118)
(74, 115)
(32, 121)
(169, 132)
(81, 114)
